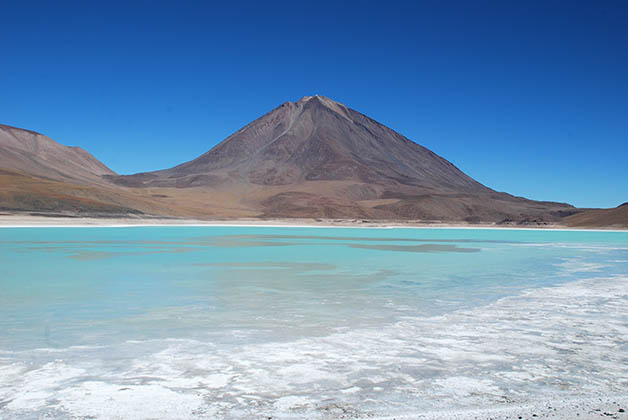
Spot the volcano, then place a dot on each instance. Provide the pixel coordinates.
(319, 158)
(313, 158)
(315, 139)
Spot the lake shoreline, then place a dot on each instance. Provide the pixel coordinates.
(23, 221)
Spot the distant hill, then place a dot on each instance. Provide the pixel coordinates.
(33, 153)
(318, 158)
(37, 174)
(615, 217)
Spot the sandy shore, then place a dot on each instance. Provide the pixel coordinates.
(25, 220)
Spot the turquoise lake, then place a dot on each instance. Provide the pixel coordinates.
(252, 322)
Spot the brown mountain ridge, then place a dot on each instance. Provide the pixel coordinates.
(314, 158)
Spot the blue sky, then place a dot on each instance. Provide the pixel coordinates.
(526, 97)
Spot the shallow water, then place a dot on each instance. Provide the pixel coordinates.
(240, 322)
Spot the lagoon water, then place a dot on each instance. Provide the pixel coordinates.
(259, 322)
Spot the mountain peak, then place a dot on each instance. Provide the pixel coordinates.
(324, 101)
(319, 99)
(309, 98)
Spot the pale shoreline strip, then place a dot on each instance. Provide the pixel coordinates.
(53, 222)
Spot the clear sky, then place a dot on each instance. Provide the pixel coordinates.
(528, 97)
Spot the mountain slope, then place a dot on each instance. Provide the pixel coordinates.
(314, 139)
(39, 175)
(614, 217)
(33, 153)
(318, 158)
